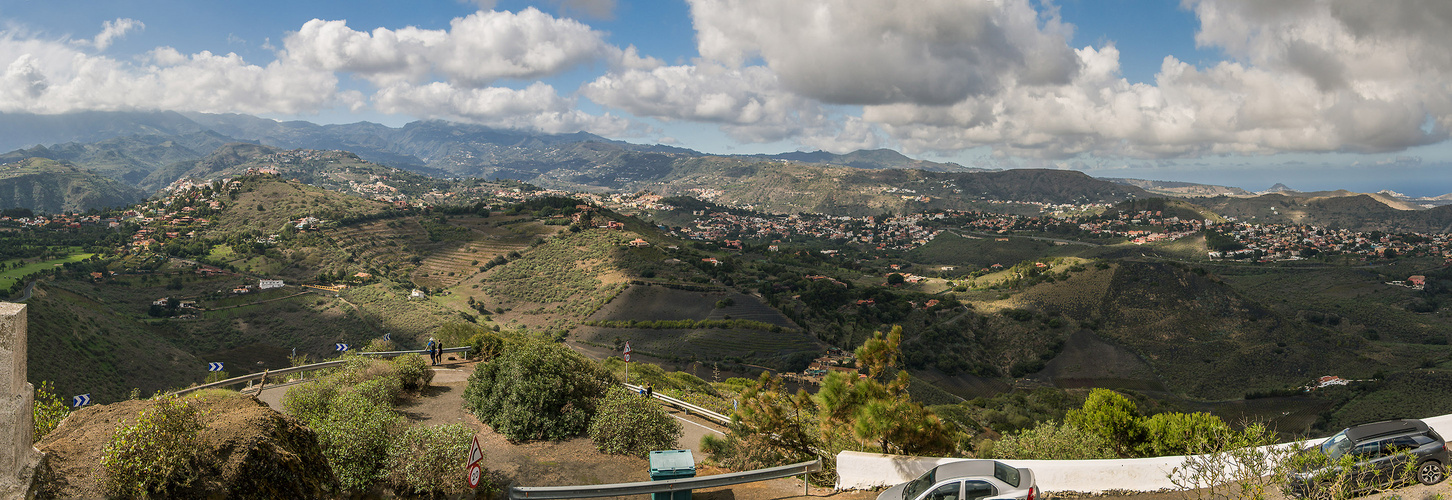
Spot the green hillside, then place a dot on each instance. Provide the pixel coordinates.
(50, 186)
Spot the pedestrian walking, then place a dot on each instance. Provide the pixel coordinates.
(649, 391)
(438, 353)
(430, 348)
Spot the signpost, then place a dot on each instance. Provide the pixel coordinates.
(474, 471)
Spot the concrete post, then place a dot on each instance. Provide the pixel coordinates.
(17, 455)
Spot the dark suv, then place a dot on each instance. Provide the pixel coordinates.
(1380, 453)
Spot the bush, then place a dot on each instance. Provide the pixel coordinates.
(47, 410)
(535, 390)
(413, 371)
(157, 454)
(355, 438)
(485, 345)
(382, 391)
(425, 460)
(629, 424)
(1051, 440)
(380, 345)
(309, 402)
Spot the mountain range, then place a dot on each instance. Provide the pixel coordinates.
(146, 151)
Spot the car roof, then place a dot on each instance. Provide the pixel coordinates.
(1386, 428)
(966, 468)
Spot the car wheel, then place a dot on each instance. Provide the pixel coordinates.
(1430, 472)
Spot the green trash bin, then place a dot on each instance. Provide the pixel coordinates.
(672, 464)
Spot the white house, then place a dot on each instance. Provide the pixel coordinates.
(266, 284)
(416, 294)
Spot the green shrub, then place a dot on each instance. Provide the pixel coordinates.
(157, 454)
(485, 345)
(355, 438)
(1182, 433)
(426, 460)
(382, 391)
(413, 371)
(356, 369)
(629, 424)
(1050, 440)
(536, 390)
(380, 345)
(309, 402)
(47, 410)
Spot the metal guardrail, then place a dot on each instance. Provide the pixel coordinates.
(665, 486)
(688, 407)
(302, 368)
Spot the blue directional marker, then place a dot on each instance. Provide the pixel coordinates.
(79, 401)
(215, 366)
(341, 347)
(387, 337)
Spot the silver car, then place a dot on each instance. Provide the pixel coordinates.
(967, 480)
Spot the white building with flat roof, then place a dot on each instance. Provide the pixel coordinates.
(266, 284)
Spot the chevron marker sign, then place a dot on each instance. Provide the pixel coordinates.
(214, 366)
(79, 401)
(387, 337)
(341, 347)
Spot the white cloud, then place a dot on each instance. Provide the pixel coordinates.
(1305, 76)
(114, 30)
(748, 103)
(933, 52)
(475, 51)
(52, 76)
(537, 107)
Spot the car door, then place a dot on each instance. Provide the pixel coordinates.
(946, 491)
(1397, 453)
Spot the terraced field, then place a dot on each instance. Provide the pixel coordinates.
(706, 344)
(404, 245)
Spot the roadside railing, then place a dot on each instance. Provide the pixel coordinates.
(261, 378)
(688, 407)
(664, 486)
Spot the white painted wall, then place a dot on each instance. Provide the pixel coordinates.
(856, 470)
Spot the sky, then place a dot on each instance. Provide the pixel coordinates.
(1316, 94)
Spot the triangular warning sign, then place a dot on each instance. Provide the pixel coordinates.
(475, 453)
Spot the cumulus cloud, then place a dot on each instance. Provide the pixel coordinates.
(749, 103)
(475, 51)
(53, 76)
(536, 107)
(934, 52)
(114, 30)
(1304, 76)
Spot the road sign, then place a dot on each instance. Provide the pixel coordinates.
(341, 347)
(387, 337)
(475, 473)
(627, 352)
(79, 401)
(476, 453)
(214, 366)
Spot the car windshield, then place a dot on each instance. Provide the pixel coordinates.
(921, 484)
(1337, 445)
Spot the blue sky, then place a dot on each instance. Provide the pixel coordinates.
(1322, 94)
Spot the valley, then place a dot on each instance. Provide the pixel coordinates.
(1016, 292)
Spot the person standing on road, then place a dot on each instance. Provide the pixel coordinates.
(431, 346)
(438, 353)
(649, 391)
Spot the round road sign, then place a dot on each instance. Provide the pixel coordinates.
(474, 475)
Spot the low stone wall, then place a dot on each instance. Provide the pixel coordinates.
(856, 470)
